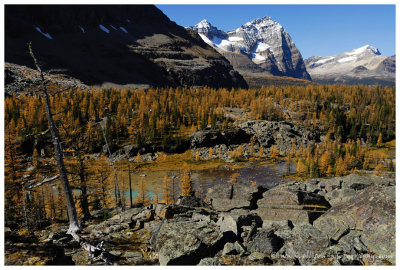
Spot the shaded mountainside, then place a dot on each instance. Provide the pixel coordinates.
(364, 65)
(114, 44)
(261, 47)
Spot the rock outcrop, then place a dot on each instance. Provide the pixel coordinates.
(283, 135)
(370, 215)
(187, 242)
(287, 203)
(224, 198)
(114, 45)
(19, 78)
(358, 229)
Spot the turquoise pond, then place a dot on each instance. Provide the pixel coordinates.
(267, 175)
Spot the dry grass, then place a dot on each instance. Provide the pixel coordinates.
(177, 162)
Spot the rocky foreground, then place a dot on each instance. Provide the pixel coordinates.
(339, 221)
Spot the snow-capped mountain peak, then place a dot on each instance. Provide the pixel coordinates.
(261, 22)
(363, 63)
(363, 49)
(262, 42)
(203, 24)
(208, 32)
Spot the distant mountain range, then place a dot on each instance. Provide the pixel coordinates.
(364, 65)
(138, 46)
(131, 45)
(259, 47)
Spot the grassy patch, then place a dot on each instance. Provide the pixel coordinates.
(178, 162)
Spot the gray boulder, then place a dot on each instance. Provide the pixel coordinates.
(285, 202)
(212, 138)
(281, 134)
(265, 242)
(187, 242)
(306, 244)
(233, 249)
(225, 197)
(133, 257)
(227, 224)
(209, 262)
(371, 211)
(189, 201)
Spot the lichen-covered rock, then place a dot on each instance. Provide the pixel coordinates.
(277, 225)
(225, 197)
(281, 134)
(227, 224)
(126, 216)
(187, 242)
(209, 262)
(189, 201)
(265, 242)
(373, 212)
(306, 244)
(288, 203)
(233, 248)
(133, 257)
(211, 138)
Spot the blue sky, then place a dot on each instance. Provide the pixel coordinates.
(316, 29)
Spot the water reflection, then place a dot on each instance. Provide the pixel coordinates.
(267, 175)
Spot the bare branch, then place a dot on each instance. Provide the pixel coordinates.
(44, 181)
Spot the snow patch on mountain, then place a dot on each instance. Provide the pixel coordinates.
(364, 63)
(257, 56)
(235, 38)
(347, 59)
(44, 34)
(123, 30)
(104, 29)
(363, 49)
(261, 41)
(324, 60)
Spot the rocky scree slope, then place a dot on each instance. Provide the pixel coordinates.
(339, 221)
(20, 79)
(134, 45)
(259, 47)
(362, 65)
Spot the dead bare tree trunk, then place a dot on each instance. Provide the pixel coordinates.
(130, 185)
(118, 200)
(58, 153)
(95, 252)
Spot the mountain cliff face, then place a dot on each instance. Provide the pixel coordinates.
(261, 46)
(363, 65)
(114, 44)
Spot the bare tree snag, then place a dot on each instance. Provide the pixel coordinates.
(58, 152)
(130, 185)
(118, 200)
(44, 181)
(95, 252)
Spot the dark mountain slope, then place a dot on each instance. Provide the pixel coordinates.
(121, 44)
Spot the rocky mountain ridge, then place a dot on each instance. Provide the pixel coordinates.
(114, 44)
(361, 65)
(261, 46)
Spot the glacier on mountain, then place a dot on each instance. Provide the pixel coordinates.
(361, 65)
(260, 46)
